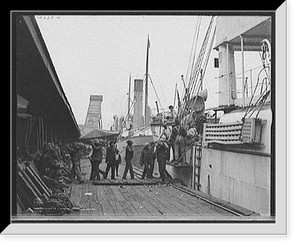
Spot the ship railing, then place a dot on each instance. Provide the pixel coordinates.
(255, 84)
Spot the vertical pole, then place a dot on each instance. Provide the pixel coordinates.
(157, 108)
(128, 107)
(243, 68)
(146, 83)
(251, 82)
(228, 77)
(175, 96)
(201, 83)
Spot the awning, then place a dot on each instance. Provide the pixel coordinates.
(253, 29)
(100, 134)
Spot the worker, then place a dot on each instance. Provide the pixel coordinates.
(128, 157)
(165, 135)
(153, 157)
(171, 140)
(161, 155)
(145, 160)
(96, 159)
(172, 111)
(74, 149)
(110, 160)
(118, 161)
(180, 141)
(189, 140)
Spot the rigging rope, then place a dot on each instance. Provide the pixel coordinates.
(193, 51)
(204, 68)
(155, 91)
(193, 87)
(201, 56)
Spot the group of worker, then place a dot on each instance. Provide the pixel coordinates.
(113, 160)
(180, 140)
(151, 151)
(176, 139)
(53, 164)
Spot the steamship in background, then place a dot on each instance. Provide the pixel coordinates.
(232, 161)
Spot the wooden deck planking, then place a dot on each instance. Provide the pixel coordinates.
(117, 208)
(117, 192)
(137, 202)
(177, 202)
(146, 203)
(96, 204)
(192, 203)
(168, 201)
(106, 207)
(76, 194)
(199, 205)
(184, 201)
(113, 200)
(164, 209)
(136, 199)
(129, 209)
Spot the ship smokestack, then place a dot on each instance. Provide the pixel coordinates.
(227, 78)
(138, 105)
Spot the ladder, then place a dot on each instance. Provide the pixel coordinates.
(197, 152)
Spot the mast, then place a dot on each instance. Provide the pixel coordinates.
(175, 95)
(146, 85)
(128, 108)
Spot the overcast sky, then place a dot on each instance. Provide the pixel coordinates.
(94, 55)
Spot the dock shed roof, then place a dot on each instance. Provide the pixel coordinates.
(34, 77)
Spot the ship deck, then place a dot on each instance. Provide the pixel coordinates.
(133, 200)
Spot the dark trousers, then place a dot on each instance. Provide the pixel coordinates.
(151, 168)
(117, 167)
(76, 171)
(163, 173)
(168, 153)
(129, 168)
(95, 170)
(110, 167)
(146, 171)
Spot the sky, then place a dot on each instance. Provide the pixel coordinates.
(96, 54)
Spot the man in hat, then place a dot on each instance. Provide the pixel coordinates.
(110, 160)
(146, 160)
(96, 159)
(172, 111)
(128, 157)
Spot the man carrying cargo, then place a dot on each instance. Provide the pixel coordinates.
(74, 149)
(96, 159)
